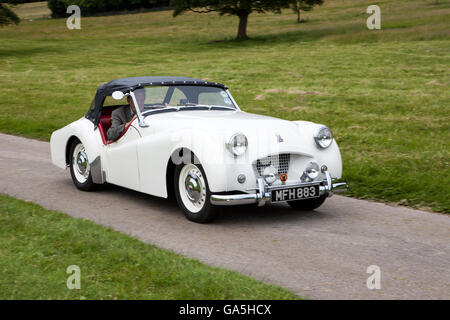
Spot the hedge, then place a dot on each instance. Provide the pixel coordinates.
(90, 7)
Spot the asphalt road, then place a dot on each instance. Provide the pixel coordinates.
(322, 254)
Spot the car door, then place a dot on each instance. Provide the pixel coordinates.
(122, 159)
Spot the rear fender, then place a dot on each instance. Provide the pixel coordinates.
(85, 131)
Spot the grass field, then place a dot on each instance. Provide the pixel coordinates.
(385, 93)
(37, 246)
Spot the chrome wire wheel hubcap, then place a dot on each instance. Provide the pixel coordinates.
(80, 163)
(192, 188)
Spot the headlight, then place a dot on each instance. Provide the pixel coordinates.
(323, 137)
(238, 144)
(270, 174)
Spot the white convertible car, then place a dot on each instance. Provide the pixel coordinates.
(189, 139)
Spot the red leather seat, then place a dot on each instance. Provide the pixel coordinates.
(103, 125)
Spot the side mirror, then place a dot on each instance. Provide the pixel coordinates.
(118, 95)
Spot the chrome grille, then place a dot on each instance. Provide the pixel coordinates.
(279, 161)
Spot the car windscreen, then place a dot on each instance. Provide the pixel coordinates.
(184, 97)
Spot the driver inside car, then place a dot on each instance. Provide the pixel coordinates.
(122, 117)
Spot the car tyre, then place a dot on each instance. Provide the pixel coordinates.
(80, 169)
(307, 204)
(192, 193)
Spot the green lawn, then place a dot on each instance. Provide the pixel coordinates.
(385, 94)
(37, 246)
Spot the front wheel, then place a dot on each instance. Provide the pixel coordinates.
(80, 170)
(192, 193)
(307, 204)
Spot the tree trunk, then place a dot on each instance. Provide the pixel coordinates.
(298, 16)
(242, 30)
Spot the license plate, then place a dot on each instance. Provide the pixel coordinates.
(297, 193)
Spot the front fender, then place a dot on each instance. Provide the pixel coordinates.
(222, 168)
(157, 149)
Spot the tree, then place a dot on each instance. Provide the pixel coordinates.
(304, 5)
(92, 7)
(7, 16)
(242, 9)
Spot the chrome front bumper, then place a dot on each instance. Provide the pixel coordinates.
(264, 193)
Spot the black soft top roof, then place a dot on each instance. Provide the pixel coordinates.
(127, 84)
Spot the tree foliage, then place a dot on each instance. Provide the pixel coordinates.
(242, 9)
(90, 7)
(304, 5)
(7, 16)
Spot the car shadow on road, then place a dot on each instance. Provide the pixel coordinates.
(268, 214)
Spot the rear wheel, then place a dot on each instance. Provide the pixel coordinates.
(307, 204)
(192, 193)
(80, 170)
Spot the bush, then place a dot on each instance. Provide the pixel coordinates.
(7, 16)
(57, 7)
(20, 1)
(89, 7)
